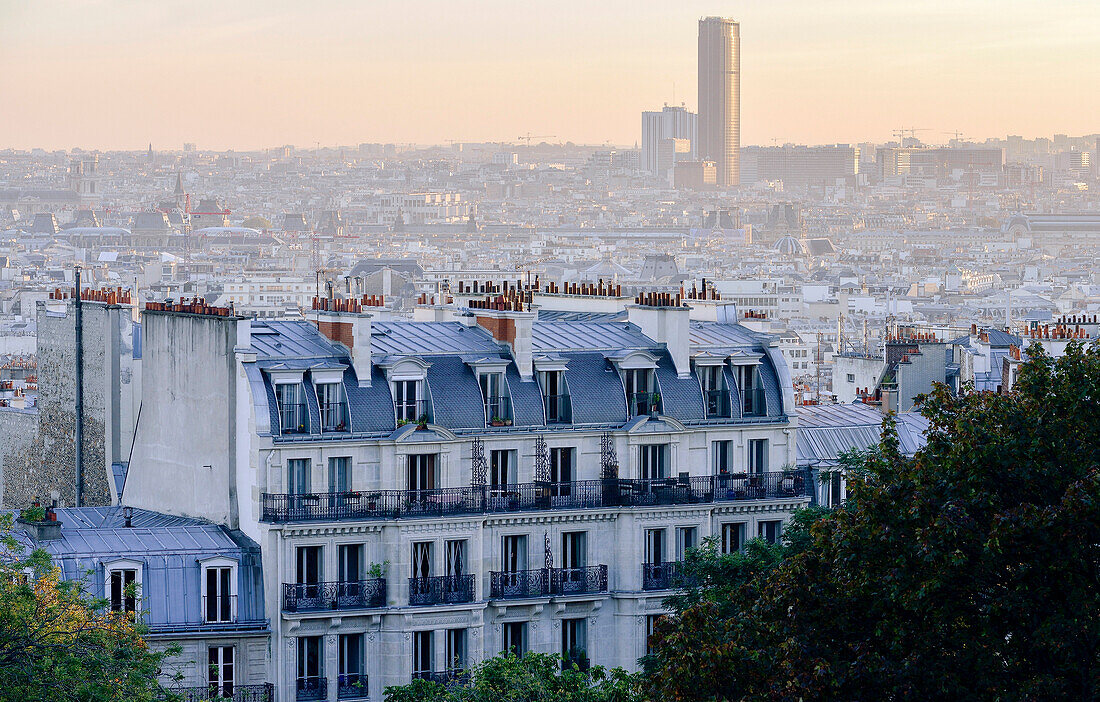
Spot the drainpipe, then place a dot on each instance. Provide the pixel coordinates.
(79, 394)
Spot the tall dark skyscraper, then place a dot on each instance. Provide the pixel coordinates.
(720, 97)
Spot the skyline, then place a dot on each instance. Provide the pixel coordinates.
(342, 73)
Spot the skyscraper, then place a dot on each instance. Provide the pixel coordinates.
(670, 123)
(720, 97)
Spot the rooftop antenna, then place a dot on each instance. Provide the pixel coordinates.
(78, 315)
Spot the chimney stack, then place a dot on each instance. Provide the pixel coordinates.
(344, 322)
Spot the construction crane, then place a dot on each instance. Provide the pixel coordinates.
(529, 137)
(958, 136)
(911, 131)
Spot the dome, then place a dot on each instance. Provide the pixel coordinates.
(788, 246)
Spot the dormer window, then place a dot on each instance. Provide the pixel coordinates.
(123, 586)
(408, 402)
(555, 397)
(293, 416)
(219, 590)
(641, 395)
(753, 403)
(716, 396)
(334, 406)
(498, 407)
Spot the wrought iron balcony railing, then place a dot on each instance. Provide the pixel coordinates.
(355, 594)
(412, 411)
(718, 403)
(643, 403)
(660, 576)
(441, 589)
(224, 692)
(311, 687)
(525, 497)
(220, 609)
(545, 582)
(352, 686)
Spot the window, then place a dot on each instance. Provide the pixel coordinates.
(219, 675)
(561, 470)
(574, 547)
(406, 401)
(574, 643)
(352, 680)
(310, 667)
(851, 377)
(422, 471)
(640, 391)
(496, 404)
(422, 653)
(723, 457)
(350, 561)
(456, 557)
(686, 538)
(293, 415)
(297, 476)
(556, 398)
(338, 474)
(733, 537)
(752, 392)
(334, 414)
(515, 637)
(715, 396)
(770, 530)
(653, 462)
(654, 546)
(651, 621)
(123, 584)
(456, 650)
(308, 566)
(422, 559)
(502, 468)
(758, 455)
(515, 553)
(218, 593)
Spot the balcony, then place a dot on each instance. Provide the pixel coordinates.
(226, 692)
(412, 411)
(441, 589)
(310, 688)
(352, 686)
(660, 576)
(718, 404)
(547, 582)
(294, 418)
(317, 597)
(559, 410)
(641, 404)
(443, 677)
(498, 411)
(528, 497)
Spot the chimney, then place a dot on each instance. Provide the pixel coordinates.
(348, 328)
(669, 325)
(515, 329)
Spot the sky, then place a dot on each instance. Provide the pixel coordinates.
(246, 74)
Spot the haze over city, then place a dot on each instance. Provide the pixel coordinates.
(251, 74)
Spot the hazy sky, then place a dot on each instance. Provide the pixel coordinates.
(251, 73)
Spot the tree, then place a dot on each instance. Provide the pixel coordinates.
(969, 571)
(57, 643)
(534, 677)
(257, 222)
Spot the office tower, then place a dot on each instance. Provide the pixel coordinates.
(720, 97)
(670, 123)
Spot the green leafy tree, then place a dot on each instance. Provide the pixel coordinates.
(534, 677)
(969, 571)
(57, 643)
(257, 222)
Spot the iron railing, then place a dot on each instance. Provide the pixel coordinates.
(718, 403)
(559, 410)
(312, 687)
(334, 416)
(441, 589)
(225, 692)
(544, 582)
(352, 686)
(498, 408)
(219, 609)
(412, 411)
(293, 418)
(525, 497)
(643, 403)
(443, 677)
(660, 576)
(355, 594)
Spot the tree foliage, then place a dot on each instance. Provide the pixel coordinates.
(57, 643)
(969, 571)
(534, 677)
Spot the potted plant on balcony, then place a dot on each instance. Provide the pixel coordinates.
(402, 422)
(654, 405)
(377, 570)
(496, 421)
(422, 423)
